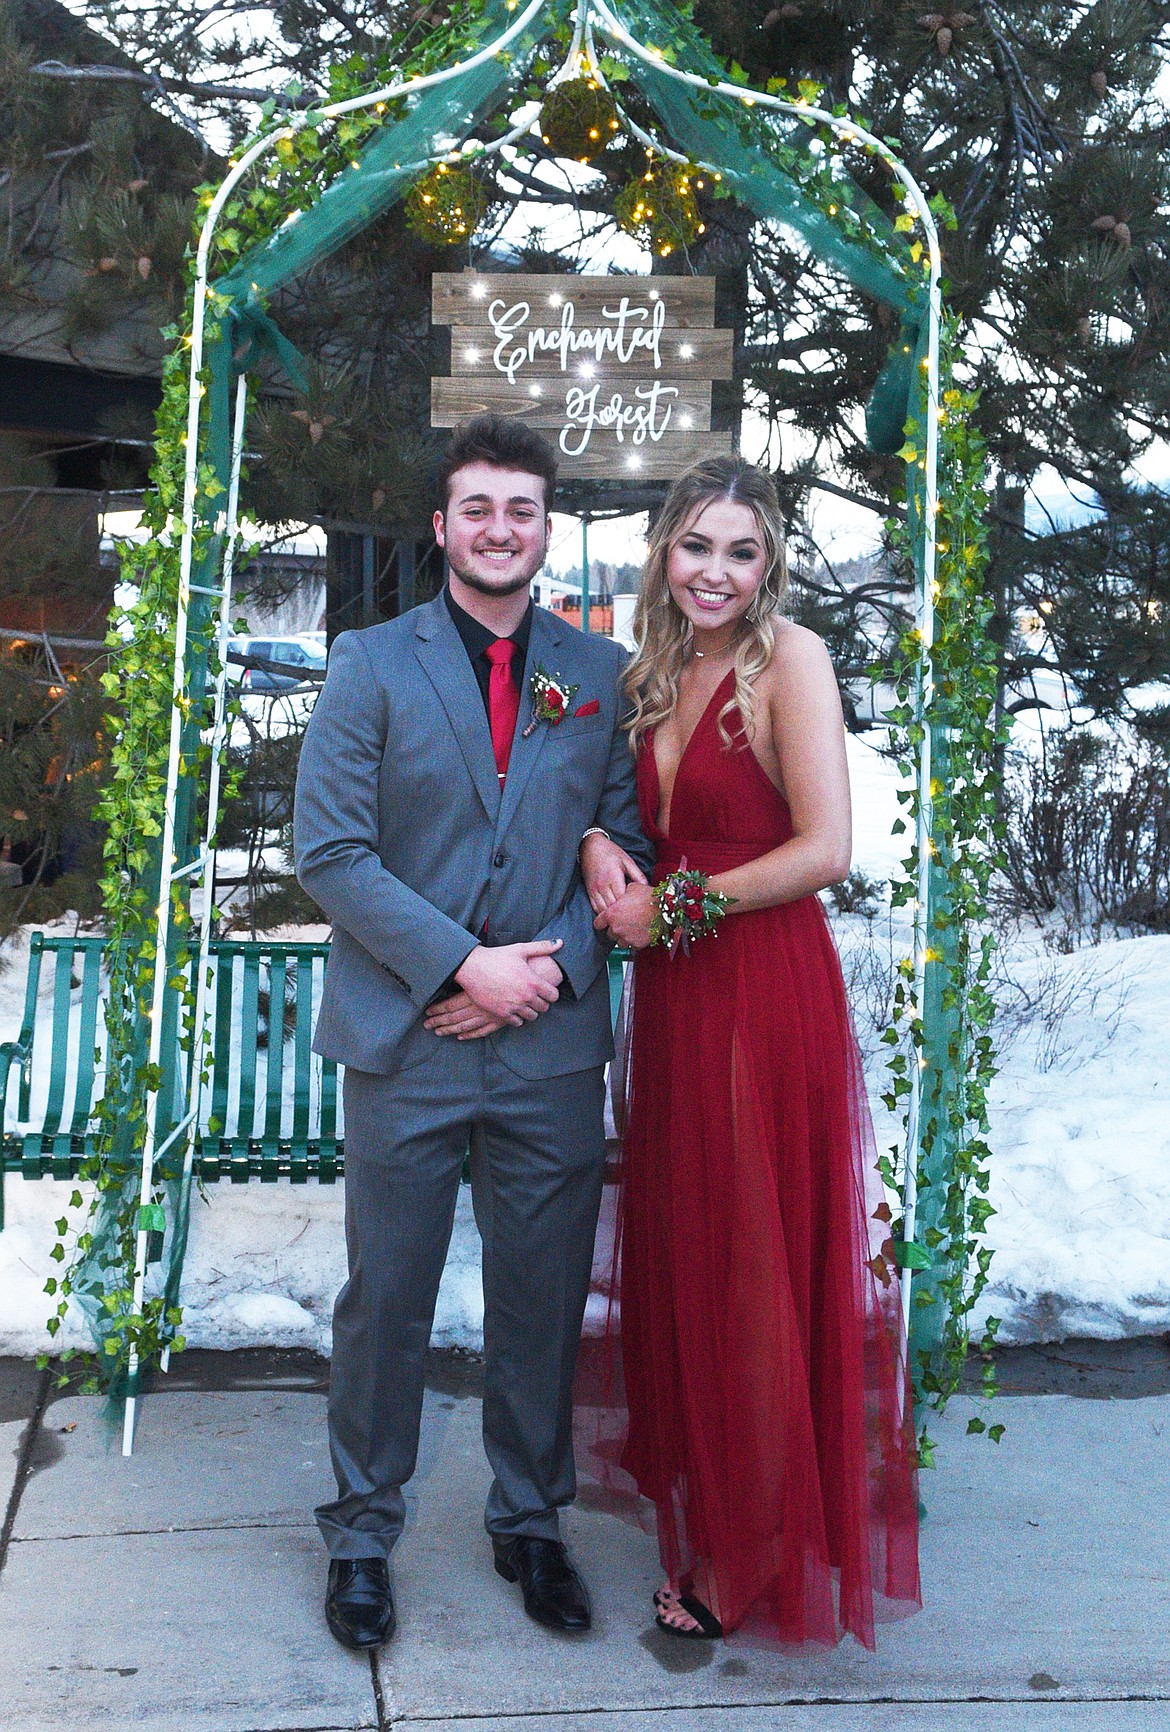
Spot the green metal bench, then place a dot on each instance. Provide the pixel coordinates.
(270, 1108)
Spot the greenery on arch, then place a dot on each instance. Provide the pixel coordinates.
(98, 1258)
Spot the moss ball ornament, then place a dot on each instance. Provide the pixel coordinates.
(579, 119)
(446, 205)
(661, 208)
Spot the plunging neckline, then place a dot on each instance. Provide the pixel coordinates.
(665, 833)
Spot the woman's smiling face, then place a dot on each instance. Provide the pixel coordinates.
(717, 565)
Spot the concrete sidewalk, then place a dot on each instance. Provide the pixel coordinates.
(182, 1589)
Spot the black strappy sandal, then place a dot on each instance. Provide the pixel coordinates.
(709, 1630)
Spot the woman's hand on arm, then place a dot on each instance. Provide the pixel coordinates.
(800, 706)
(627, 920)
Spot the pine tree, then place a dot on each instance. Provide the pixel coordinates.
(51, 766)
(1044, 128)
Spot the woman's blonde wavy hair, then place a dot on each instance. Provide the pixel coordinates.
(661, 629)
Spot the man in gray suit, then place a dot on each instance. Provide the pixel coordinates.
(440, 805)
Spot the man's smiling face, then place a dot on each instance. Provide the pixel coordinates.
(495, 529)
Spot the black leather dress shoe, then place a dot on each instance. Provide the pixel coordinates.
(554, 1593)
(359, 1607)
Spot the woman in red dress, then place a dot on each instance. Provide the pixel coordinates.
(761, 1339)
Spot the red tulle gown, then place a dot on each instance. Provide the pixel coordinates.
(760, 1329)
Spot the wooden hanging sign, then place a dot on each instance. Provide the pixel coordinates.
(616, 371)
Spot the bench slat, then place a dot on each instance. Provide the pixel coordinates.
(91, 981)
(221, 1056)
(303, 1052)
(328, 1104)
(249, 1031)
(274, 1072)
(59, 1055)
(29, 1024)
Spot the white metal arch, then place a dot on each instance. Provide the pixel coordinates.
(203, 865)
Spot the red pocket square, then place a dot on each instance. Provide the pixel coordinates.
(589, 709)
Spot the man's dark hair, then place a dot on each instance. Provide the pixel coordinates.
(503, 441)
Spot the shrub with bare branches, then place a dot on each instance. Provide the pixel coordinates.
(1088, 836)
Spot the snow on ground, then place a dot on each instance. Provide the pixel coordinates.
(1081, 1141)
(1080, 1134)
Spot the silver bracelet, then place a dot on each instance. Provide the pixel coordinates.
(594, 830)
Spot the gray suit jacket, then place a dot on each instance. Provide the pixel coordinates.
(403, 837)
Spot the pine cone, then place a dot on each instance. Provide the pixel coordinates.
(143, 267)
(315, 423)
(108, 264)
(1084, 330)
(943, 25)
(1099, 83)
(1115, 227)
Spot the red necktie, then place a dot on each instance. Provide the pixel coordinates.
(503, 701)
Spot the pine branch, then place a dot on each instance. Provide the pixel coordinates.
(180, 86)
(882, 507)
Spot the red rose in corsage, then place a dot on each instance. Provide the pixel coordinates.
(685, 908)
(550, 700)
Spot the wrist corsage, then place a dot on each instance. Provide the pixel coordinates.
(685, 909)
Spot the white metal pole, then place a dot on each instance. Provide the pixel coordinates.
(208, 852)
(923, 697)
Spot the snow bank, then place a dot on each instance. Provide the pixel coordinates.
(1081, 1140)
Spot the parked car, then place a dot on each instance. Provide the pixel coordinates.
(303, 654)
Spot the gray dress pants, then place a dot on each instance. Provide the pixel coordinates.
(538, 1154)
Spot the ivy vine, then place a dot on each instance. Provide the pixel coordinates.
(949, 1249)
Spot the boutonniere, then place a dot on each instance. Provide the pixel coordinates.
(550, 700)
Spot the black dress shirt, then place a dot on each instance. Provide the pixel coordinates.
(477, 637)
